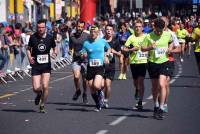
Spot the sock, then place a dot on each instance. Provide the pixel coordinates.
(95, 98)
(105, 100)
(162, 107)
(156, 104)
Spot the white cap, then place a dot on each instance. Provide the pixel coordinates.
(146, 20)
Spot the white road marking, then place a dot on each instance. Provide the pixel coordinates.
(61, 78)
(172, 81)
(120, 119)
(150, 97)
(102, 132)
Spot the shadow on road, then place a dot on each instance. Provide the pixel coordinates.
(19, 110)
(74, 109)
(185, 86)
(70, 104)
(131, 115)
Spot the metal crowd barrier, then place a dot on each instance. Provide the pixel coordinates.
(17, 65)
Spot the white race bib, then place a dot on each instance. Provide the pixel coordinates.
(95, 63)
(159, 52)
(142, 55)
(41, 59)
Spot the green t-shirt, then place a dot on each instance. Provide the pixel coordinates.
(137, 57)
(196, 36)
(159, 54)
(182, 33)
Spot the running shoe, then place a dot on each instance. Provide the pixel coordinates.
(85, 100)
(120, 76)
(76, 95)
(160, 114)
(97, 109)
(181, 59)
(42, 109)
(38, 98)
(124, 77)
(139, 106)
(165, 109)
(155, 111)
(106, 104)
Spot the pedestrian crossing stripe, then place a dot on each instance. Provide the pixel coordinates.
(6, 95)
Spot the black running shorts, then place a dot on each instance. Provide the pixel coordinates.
(197, 56)
(155, 70)
(138, 70)
(93, 71)
(40, 69)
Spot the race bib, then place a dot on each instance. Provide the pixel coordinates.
(95, 63)
(159, 52)
(41, 59)
(142, 55)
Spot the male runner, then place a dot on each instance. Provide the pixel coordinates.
(38, 53)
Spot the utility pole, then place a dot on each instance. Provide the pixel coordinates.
(70, 8)
(15, 11)
(131, 5)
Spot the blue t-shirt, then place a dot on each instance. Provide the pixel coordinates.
(95, 51)
(123, 37)
(147, 29)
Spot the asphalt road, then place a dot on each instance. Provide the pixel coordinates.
(19, 115)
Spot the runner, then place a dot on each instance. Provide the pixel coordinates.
(171, 62)
(182, 33)
(123, 36)
(79, 64)
(94, 49)
(196, 38)
(110, 68)
(138, 60)
(157, 43)
(38, 53)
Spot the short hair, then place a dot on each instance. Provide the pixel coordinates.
(159, 23)
(109, 25)
(80, 21)
(41, 21)
(139, 20)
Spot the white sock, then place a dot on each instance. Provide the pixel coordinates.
(156, 104)
(162, 107)
(105, 100)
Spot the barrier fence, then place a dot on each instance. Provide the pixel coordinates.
(16, 64)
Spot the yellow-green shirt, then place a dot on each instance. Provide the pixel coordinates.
(196, 36)
(182, 33)
(159, 54)
(137, 57)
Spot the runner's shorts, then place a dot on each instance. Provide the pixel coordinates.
(40, 69)
(93, 71)
(197, 56)
(138, 70)
(80, 66)
(155, 70)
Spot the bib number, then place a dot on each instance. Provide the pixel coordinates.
(159, 52)
(95, 63)
(142, 55)
(41, 59)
